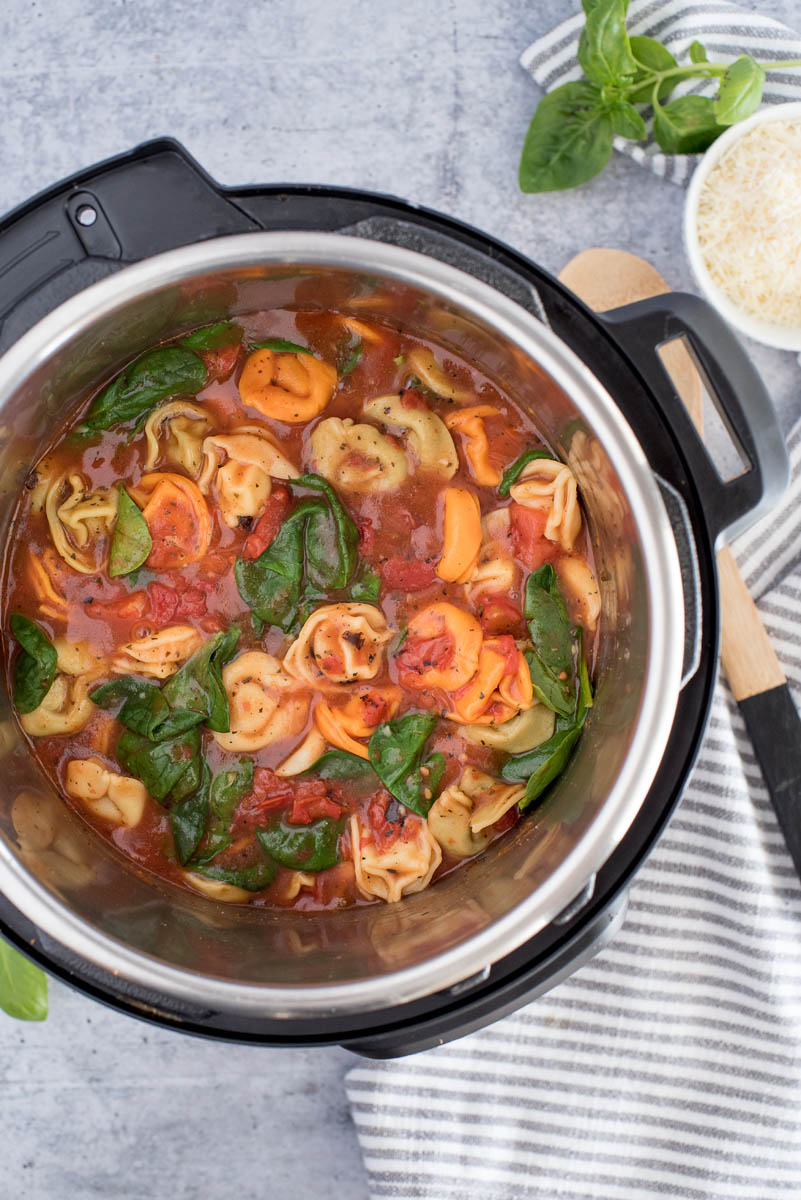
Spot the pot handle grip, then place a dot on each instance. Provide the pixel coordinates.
(153, 198)
(730, 505)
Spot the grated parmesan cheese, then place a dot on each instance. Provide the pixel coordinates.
(749, 222)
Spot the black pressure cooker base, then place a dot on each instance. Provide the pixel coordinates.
(156, 198)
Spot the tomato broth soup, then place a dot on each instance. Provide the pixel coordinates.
(299, 611)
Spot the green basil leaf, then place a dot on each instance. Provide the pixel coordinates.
(281, 346)
(131, 542)
(697, 53)
(198, 687)
(252, 879)
(513, 473)
(302, 847)
(168, 766)
(340, 764)
(270, 585)
(603, 50)
(396, 753)
(331, 558)
(652, 58)
(627, 121)
(686, 125)
(569, 139)
(155, 376)
(23, 986)
(213, 337)
(188, 819)
(353, 360)
(366, 586)
(35, 668)
(740, 91)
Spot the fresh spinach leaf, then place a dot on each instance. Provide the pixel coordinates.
(213, 337)
(569, 140)
(396, 753)
(353, 359)
(513, 473)
(302, 847)
(188, 819)
(131, 542)
(740, 91)
(251, 879)
(331, 556)
(23, 986)
(366, 586)
(281, 346)
(144, 709)
(686, 125)
(603, 50)
(549, 690)
(227, 790)
(35, 668)
(197, 687)
(169, 767)
(548, 622)
(155, 376)
(652, 57)
(340, 764)
(271, 584)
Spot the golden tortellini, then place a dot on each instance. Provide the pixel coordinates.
(216, 889)
(157, 655)
(449, 822)
(580, 588)
(81, 521)
(357, 458)
(490, 797)
(339, 643)
(421, 364)
(265, 704)
(114, 798)
(389, 872)
(240, 467)
(65, 709)
(182, 426)
(495, 572)
(78, 658)
(426, 432)
(550, 486)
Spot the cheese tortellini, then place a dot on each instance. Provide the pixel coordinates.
(549, 485)
(520, 733)
(339, 643)
(420, 363)
(157, 655)
(427, 433)
(114, 798)
(240, 466)
(449, 822)
(81, 521)
(495, 572)
(65, 709)
(182, 426)
(491, 798)
(357, 458)
(405, 866)
(287, 387)
(265, 704)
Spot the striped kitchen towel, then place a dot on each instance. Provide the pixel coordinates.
(670, 1065)
(727, 31)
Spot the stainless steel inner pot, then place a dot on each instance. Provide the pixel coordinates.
(74, 887)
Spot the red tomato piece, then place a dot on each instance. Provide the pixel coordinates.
(499, 615)
(163, 602)
(419, 655)
(268, 523)
(412, 398)
(366, 534)
(402, 576)
(528, 536)
(220, 363)
(303, 812)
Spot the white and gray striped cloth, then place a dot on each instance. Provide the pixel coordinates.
(727, 31)
(670, 1065)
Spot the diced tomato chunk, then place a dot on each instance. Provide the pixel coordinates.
(220, 363)
(303, 812)
(528, 536)
(499, 615)
(402, 576)
(413, 398)
(268, 523)
(163, 602)
(419, 655)
(366, 534)
(383, 828)
(179, 599)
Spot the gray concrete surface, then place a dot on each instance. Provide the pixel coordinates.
(419, 99)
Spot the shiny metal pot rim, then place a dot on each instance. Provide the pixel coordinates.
(665, 605)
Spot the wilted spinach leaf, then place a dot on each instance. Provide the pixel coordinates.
(281, 346)
(332, 553)
(513, 473)
(188, 819)
(353, 359)
(302, 847)
(198, 687)
(169, 767)
(213, 337)
(131, 542)
(396, 753)
(340, 764)
(251, 879)
(23, 986)
(155, 376)
(35, 668)
(227, 789)
(366, 586)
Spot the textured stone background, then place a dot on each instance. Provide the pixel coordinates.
(422, 100)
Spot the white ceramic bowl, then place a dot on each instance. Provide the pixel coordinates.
(784, 337)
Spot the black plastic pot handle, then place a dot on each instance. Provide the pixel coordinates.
(739, 394)
(153, 198)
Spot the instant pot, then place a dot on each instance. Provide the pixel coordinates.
(145, 246)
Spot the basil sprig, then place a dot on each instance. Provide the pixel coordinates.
(131, 542)
(35, 668)
(23, 986)
(314, 551)
(155, 376)
(570, 137)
